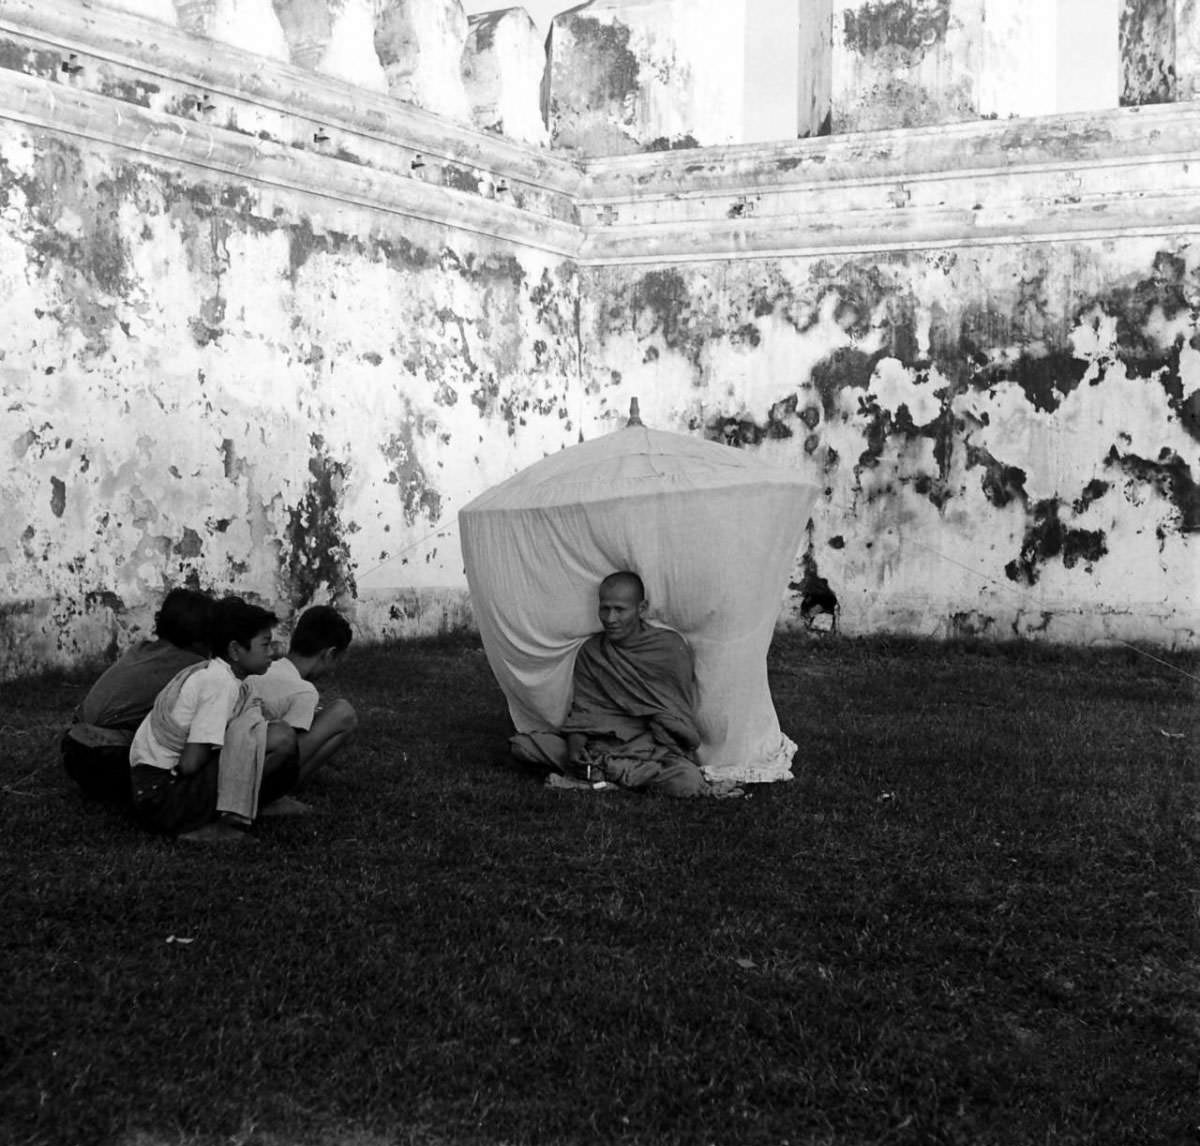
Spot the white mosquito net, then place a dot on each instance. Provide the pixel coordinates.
(713, 533)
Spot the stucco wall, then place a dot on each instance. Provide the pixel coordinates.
(266, 332)
(1005, 436)
(206, 383)
(259, 360)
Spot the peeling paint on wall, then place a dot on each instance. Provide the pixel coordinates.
(211, 383)
(1147, 37)
(905, 63)
(983, 425)
(911, 27)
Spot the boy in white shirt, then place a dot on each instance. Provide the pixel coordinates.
(184, 758)
(287, 692)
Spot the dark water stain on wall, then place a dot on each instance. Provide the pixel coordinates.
(1165, 294)
(613, 68)
(76, 241)
(1170, 475)
(1045, 378)
(912, 26)
(1047, 537)
(970, 625)
(316, 553)
(684, 142)
(190, 544)
(741, 432)
(417, 496)
(1092, 492)
(460, 178)
(847, 368)
(19, 57)
(1147, 43)
(813, 590)
(1002, 484)
(666, 299)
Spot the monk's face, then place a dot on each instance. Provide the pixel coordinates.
(620, 611)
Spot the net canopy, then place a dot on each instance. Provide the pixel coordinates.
(712, 531)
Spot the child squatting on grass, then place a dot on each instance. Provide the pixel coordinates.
(95, 749)
(206, 757)
(287, 691)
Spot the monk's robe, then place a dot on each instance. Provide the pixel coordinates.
(633, 703)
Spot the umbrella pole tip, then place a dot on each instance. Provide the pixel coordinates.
(635, 418)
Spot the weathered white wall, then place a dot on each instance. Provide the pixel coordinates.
(906, 62)
(1005, 435)
(650, 75)
(265, 331)
(503, 68)
(981, 340)
(255, 346)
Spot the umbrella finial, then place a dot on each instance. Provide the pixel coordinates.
(635, 418)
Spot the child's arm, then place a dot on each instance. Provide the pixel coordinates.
(193, 758)
(206, 733)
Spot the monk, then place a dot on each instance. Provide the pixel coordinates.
(632, 721)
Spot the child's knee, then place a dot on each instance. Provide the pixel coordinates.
(282, 743)
(343, 716)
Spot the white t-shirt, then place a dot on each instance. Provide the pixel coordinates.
(206, 702)
(286, 695)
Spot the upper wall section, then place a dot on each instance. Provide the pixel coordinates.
(627, 76)
(1038, 180)
(615, 77)
(263, 331)
(1160, 51)
(158, 89)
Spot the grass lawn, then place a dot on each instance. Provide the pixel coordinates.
(972, 918)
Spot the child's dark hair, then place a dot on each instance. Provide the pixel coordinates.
(321, 627)
(237, 620)
(185, 618)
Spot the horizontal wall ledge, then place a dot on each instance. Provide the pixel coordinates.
(164, 93)
(160, 68)
(1143, 179)
(160, 137)
(1122, 135)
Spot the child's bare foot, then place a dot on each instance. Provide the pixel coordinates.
(285, 806)
(218, 832)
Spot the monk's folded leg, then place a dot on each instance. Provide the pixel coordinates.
(545, 749)
(672, 776)
(680, 779)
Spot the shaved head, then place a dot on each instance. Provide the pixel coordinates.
(622, 606)
(626, 580)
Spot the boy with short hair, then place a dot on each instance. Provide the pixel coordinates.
(205, 750)
(95, 749)
(288, 693)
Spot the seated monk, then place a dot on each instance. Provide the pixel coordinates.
(632, 721)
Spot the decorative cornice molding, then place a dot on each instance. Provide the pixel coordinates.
(159, 91)
(33, 102)
(1118, 136)
(1122, 172)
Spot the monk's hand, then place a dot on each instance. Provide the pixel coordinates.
(577, 749)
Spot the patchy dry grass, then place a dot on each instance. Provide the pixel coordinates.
(971, 919)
